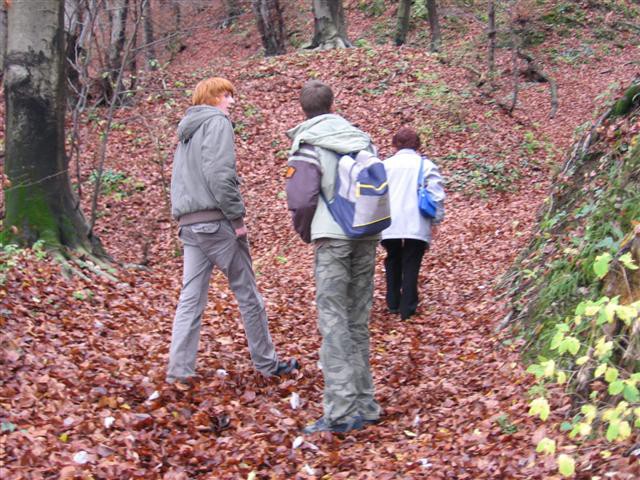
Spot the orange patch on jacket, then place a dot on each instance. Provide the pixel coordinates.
(290, 171)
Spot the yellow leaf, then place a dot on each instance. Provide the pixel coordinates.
(582, 360)
(566, 465)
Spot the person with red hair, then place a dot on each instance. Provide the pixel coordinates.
(410, 233)
(206, 202)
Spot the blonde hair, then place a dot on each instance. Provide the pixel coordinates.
(210, 91)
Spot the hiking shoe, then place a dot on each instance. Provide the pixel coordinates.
(284, 368)
(322, 425)
(182, 383)
(371, 421)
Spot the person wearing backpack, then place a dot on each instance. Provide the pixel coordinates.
(206, 201)
(344, 266)
(411, 232)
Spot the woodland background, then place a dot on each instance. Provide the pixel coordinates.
(82, 392)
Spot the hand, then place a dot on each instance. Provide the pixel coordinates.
(241, 231)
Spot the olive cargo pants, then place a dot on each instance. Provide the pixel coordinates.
(344, 293)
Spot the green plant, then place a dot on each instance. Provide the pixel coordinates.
(239, 128)
(372, 8)
(361, 43)
(110, 181)
(481, 177)
(506, 425)
(10, 255)
(582, 347)
(251, 110)
(382, 32)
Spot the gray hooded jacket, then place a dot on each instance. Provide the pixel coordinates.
(204, 184)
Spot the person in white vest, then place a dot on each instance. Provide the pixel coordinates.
(410, 233)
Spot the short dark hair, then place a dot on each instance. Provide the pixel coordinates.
(316, 98)
(406, 138)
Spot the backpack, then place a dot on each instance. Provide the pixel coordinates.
(360, 203)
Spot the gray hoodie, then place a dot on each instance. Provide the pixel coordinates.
(204, 167)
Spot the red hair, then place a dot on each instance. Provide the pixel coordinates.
(210, 91)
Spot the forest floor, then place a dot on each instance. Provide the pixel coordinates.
(82, 390)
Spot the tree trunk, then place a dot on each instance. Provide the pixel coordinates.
(491, 33)
(118, 10)
(3, 36)
(234, 10)
(434, 25)
(174, 43)
(40, 203)
(149, 48)
(131, 59)
(404, 14)
(176, 13)
(330, 30)
(271, 26)
(73, 51)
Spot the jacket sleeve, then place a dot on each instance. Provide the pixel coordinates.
(303, 188)
(435, 187)
(219, 168)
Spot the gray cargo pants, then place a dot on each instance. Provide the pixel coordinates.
(207, 245)
(344, 291)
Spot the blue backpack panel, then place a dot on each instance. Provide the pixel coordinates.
(360, 204)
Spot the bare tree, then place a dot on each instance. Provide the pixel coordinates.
(118, 11)
(234, 10)
(434, 25)
(271, 26)
(149, 40)
(491, 33)
(3, 35)
(404, 15)
(330, 28)
(40, 204)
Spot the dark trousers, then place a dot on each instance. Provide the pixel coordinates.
(402, 265)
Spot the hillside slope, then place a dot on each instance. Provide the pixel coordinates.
(82, 360)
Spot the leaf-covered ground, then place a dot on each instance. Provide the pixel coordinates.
(82, 390)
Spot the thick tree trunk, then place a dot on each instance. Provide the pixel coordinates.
(404, 14)
(330, 29)
(434, 25)
(40, 203)
(149, 46)
(271, 26)
(491, 33)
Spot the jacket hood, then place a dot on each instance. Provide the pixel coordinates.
(329, 131)
(193, 118)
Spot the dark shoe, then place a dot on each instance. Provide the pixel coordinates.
(322, 425)
(371, 421)
(284, 368)
(182, 383)
(394, 310)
